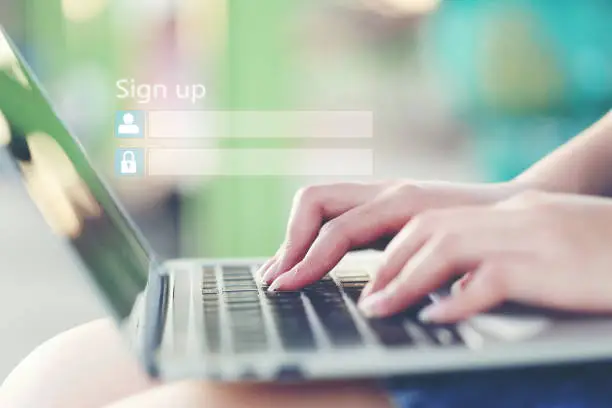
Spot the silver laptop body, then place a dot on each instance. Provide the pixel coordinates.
(211, 319)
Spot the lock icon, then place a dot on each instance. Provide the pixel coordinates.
(128, 163)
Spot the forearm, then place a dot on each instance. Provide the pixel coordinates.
(582, 166)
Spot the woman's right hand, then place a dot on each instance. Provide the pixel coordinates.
(329, 220)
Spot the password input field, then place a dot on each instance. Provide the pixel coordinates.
(260, 162)
(260, 124)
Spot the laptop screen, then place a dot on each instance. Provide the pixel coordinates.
(59, 178)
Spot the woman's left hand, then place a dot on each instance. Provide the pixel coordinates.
(551, 250)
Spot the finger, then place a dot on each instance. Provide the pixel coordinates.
(444, 256)
(268, 265)
(263, 268)
(423, 273)
(379, 245)
(483, 292)
(462, 283)
(402, 247)
(405, 245)
(358, 226)
(312, 206)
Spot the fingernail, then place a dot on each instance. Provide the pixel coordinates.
(274, 286)
(373, 305)
(430, 314)
(278, 282)
(259, 273)
(270, 274)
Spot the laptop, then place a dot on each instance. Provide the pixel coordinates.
(212, 319)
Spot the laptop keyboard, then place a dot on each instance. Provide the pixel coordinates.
(332, 311)
(242, 317)
(291, 320)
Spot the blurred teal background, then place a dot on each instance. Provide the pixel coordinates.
(490, 85)
(526, 75)
(464, 90)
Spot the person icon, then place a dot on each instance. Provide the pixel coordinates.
(128, 127)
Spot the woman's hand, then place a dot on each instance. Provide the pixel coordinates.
(328, 221)
(550, 250)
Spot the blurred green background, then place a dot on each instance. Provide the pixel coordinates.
(460, 90)
(471, 89)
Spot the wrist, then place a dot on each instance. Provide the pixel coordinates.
(527, 181)
(518, 185)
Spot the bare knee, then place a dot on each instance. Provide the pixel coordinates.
(197, 394)
(87, 366)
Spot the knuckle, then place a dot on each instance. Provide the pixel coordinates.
(308, 195)
(448, 244)
(425, 222)
(287, 248)
(418, 226)
(389, 184)
(495, 277)
(335, 228)
(405, 190)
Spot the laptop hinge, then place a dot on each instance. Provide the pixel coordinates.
(156, 302)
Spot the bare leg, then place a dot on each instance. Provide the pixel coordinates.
(86, 367)
(198, 395)
(89, 367)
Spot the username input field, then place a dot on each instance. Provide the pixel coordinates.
(260, 162)
(260, 124)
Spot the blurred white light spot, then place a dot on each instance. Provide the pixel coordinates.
(415, 6)
(49, 157)
(83, 10)
(5, 132)
(6, 53)
(52, 201)
(135, 14)
(55, 186)
(402, 7)
(8, 60)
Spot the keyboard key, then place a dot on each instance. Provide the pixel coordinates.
(291, 321)
(438, 334)
(390, 331)
(237, 294)
(210, 306)
(353, 288)
(246, 322)
(405, 329)
(235, 272)
(443, 335)
(331, 309)
(212, 328)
